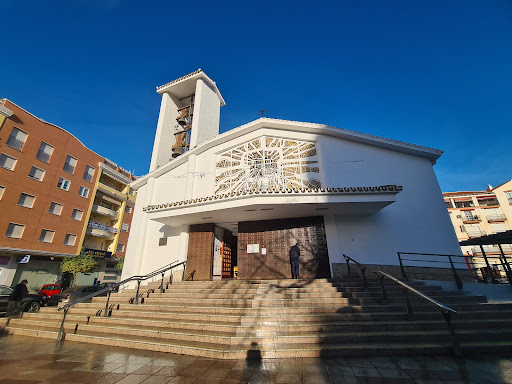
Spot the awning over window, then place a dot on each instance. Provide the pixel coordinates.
(486, 197)
(462, 199)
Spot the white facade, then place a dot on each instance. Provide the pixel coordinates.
(368, 224)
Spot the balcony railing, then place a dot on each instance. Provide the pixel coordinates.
(496, 217)
(488, 203)
(507, 248)
(111, 191)
(103, 227)
(104, 211)
(43, 156)
(13, 142)
(466, 219)
(476, 233)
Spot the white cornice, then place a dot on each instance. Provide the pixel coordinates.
(286, 125)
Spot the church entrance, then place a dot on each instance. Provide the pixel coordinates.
(209, 253)
(260, 250)
(264, 248)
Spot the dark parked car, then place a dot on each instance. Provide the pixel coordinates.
(31, 303)
(75, 293)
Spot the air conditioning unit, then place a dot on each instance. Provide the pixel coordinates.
(459, 216)
(462, 228)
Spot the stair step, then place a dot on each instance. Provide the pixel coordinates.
(283, 318)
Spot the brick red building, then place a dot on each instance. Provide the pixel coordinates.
(56, 197)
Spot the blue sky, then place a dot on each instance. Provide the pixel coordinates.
(430, 72)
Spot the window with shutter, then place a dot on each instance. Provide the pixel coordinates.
(36, 173)
(7, 161)
(55, 208)
(77, 214)
(45, 152)
(89, 173)
(46, 236)
(17, 139)
(70, 164)
(26, 200)
(15, 230)
(70, 239)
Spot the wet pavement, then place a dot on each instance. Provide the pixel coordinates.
(25, 360)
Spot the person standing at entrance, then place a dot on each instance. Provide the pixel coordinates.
(294, 260)
(20, 291)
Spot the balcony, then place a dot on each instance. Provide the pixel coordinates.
(496, 217)
(476, 233)
(471, 219)
(507, 248)
(112, 191)
(100, 230)
(13, 142)
(488, 203)
(105, 211)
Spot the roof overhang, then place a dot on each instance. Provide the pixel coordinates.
(261, 205)
(186, 85)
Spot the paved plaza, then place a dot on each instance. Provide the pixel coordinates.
(25, 360)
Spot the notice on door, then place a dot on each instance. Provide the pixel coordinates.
(253, 248)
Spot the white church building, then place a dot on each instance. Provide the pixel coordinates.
(234, 203)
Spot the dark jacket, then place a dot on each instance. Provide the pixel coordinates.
(19, 292)
(294, 252)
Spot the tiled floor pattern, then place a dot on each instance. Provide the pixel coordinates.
(25, 360)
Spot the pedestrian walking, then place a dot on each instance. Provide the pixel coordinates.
(20, 291)
(294, 260)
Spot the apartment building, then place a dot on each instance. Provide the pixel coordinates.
(480, 213)
(57, 197)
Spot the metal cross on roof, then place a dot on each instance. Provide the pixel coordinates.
(262, 112)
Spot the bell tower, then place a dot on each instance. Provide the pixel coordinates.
(189, 115)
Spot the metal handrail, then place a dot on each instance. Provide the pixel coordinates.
(159, 271)
(446, 311)
(456, 277)
(348, 259)
(440, 305)
(501, 259)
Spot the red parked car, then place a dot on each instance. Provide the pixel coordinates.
(50, 289)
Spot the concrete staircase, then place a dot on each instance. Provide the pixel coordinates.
(279, 318)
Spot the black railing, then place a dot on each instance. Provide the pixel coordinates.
(362, 268)
(443, 266)
(108, 309)
(446, 311)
